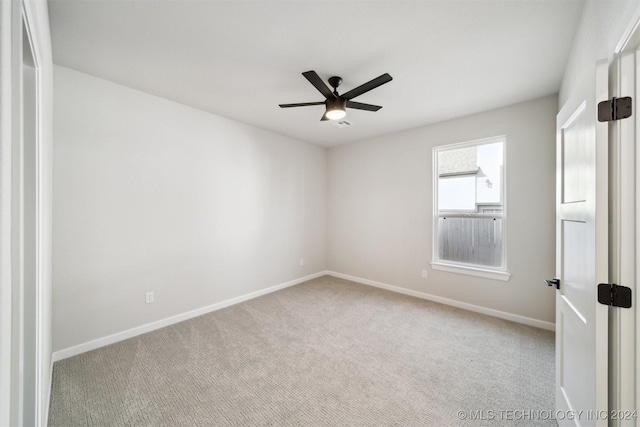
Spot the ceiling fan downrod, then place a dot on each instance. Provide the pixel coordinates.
(335, 81)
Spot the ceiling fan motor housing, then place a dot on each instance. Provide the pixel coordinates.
(338, 103)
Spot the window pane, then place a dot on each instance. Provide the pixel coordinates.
(470, 178)
(471, 240)
(457, 193)
(489, 174)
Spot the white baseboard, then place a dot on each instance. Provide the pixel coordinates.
(139, 330)
(466, 306)
(130, 333)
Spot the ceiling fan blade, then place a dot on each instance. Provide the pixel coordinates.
(361, 106)
(378, 81)
(303, 104)
(324, 117)
(316, 81)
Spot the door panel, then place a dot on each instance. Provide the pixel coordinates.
(574, 391)
(574, 156)
(575, 291)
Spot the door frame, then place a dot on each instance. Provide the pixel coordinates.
(6, 19)
(24, 20)
(624, 324)
(33, 297)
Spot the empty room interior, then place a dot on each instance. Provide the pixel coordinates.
(335, 213)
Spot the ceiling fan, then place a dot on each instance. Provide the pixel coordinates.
(335, 103)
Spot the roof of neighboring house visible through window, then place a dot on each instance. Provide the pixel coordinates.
(459, 161)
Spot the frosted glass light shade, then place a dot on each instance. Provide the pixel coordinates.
(336, 114)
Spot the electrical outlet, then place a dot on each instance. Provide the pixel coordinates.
(301, 261)
(149, 297)
(424, 274)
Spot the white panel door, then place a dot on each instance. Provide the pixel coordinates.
(581, 257)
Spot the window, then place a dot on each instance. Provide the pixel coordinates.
(469, 208)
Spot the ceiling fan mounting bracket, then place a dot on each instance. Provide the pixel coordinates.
(335, 81)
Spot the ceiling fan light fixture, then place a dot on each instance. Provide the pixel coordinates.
(336, 114)
(336, 109)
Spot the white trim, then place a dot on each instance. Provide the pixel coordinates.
(40, 393)
(627, 35)
(6, 170)
(602, 242)
(471, 271)
(472, 143)
(139, 330)
(463, 305)
(632, 349)
(624, 132)
(133, 332)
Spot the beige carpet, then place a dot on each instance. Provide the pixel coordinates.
(327, 352)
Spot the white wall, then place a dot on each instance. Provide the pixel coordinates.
(151, 195)
(601, 26)
(380, 209)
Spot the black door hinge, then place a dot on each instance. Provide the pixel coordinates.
(614, 109)
(614, 295)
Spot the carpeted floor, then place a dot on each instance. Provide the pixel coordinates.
(327, 352)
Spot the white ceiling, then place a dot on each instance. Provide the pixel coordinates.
(240, 59)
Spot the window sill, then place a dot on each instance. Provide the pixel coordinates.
(471, 271)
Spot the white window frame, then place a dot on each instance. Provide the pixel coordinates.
(496, 273)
